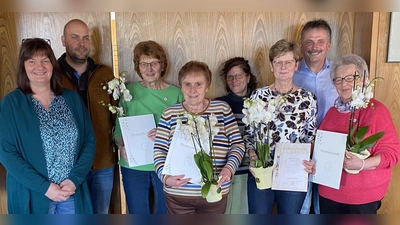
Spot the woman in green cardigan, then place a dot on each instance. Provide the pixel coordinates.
(47, 142)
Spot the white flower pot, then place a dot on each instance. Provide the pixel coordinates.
(263, 176)
(363, 155)
(213, 195)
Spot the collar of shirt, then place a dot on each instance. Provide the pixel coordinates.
(303, 65)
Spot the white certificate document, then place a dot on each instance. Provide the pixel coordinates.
(139, 148)
(180, 158)
(289, 173)
(328, 158)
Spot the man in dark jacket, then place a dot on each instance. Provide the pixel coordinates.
(83, 75)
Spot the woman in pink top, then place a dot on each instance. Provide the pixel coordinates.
(359, 193)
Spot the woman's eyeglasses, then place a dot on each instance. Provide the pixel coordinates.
(348, 78)
(238, 76)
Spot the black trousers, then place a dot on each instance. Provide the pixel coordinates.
(328, 206)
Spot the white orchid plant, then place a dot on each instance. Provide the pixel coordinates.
(258, 115)
(202, 131)
(361, 95)
(117, 88)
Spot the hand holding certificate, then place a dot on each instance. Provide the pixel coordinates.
(139, 148)
(180, 158)
(289, 173)
(329, 150)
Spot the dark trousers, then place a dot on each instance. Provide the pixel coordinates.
(328, 206)
(193, 205)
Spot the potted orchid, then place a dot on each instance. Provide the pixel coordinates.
(201, 131)
(117, 88)
(258, 116)
(356, 144)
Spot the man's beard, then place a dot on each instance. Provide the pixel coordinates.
(79, 59)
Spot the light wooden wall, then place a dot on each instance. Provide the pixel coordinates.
(209, 37)
(387, 92)
(216, 37)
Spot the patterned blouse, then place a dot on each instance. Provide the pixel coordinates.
(296, 118)
(59, 136)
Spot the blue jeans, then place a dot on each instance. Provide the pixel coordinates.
(262, 201)
(137, 186)
(100, 184)
(312, 196)
(65, 207)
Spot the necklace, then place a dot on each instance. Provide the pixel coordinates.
(276, 92)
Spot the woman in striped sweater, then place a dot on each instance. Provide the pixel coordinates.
(183, 196)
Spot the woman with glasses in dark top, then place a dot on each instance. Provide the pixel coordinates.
(47, 142)
(239, 83)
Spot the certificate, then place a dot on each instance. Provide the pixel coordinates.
(180, 157)
(328, 158)
(139, 148)
(289, 173)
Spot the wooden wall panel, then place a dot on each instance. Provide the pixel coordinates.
(262, 30)
(387, 91)
(208, 37)
(8, 53)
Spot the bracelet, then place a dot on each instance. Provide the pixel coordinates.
(363, 164)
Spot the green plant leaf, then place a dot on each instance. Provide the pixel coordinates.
(360, 134)
(266, 153)
(370, 141)
(205, 189)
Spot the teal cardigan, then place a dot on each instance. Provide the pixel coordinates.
(21, 153)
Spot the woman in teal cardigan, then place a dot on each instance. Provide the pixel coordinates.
(47, 142)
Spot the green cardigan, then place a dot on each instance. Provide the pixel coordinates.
(21, 153)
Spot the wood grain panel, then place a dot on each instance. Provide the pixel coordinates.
(8, 54)
(363, 35)
(385, 91)
(208, 37)
(345, 29)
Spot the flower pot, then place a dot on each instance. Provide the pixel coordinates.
(263, 177)
(363, 155)
(213, 195)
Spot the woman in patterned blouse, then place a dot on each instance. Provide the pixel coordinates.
(47, 142)
(295, 123)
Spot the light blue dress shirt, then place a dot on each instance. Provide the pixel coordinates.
(320, 84)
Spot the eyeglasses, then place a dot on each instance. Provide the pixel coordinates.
(32, 39)
(145, 65)
(288, 63)
(348, 78)
(238, 76)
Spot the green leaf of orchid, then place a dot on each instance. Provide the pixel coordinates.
(370, 141)
(360, 134)
(205, 189)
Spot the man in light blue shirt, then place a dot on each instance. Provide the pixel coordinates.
(313, 74)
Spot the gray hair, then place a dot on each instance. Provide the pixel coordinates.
(350, 59)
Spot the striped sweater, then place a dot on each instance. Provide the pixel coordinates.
(228, 144)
